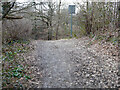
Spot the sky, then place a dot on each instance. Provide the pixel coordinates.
(64, 1)
(70, 1)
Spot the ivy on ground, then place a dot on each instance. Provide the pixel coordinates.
(13, 70)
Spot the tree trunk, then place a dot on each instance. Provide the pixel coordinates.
(58, 20)
(88, 28)
(6, 11)
(50, 31)
(119, 15)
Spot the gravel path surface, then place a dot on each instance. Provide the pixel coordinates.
(70, 63)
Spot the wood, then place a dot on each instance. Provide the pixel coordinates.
(13, 17)
(58, 13)
(6, 13)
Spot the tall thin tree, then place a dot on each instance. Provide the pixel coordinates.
(58, 13)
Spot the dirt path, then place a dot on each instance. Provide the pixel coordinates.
(69, 63)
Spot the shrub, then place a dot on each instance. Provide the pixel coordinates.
(16, 29)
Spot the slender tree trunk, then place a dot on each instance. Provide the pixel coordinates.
(87, 20)
(119, 30)
(50, 30)
(119, 15)
(51, 11)
(58, 19)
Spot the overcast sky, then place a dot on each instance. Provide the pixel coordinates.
(63, 1)
(69, 1)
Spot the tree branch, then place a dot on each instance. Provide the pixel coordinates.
(6, 13)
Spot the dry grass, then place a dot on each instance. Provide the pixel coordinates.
(16, 29)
